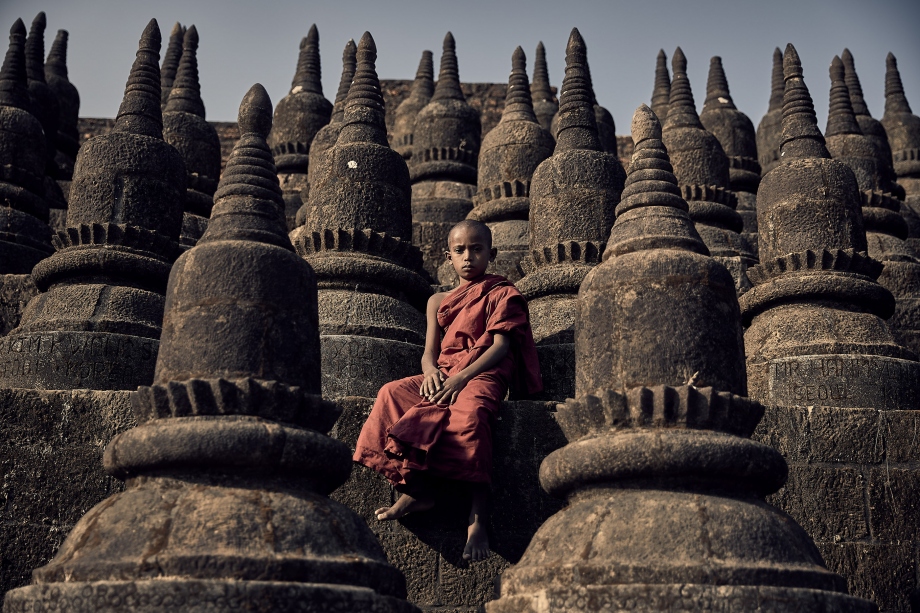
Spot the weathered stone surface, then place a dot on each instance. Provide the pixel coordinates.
(171, 58)
(879, 572)
(51, 469)
(661, 92)
(103, 290)
(15, 293)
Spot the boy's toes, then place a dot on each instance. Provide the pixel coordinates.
(384, 513)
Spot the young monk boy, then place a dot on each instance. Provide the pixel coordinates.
(438, 424)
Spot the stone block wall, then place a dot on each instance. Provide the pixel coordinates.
(853, 475)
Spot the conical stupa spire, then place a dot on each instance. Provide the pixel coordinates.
(895, 100)
(248, 204)
(577, 126)
(308, 76)
(540, 89)
(35, 49)
(140, 112)
(801, 136)
(364, 108)
(14, 89)
(853, 85)
(171, 61)
(681, 107)
(423, 85)
(777, 81)
(840, 117)
(717, 85)
(545, 104)
(57, 57)
(657, 186)
(518, 103)
(185, 95)
(349, 64)
(448, 87)
(661, 93)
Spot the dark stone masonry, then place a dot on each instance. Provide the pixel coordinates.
(196, 318)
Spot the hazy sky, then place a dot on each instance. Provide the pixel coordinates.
(247, 42)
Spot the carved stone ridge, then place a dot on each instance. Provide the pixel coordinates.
(505, 189)
(116, 235)
(709, 193)
(363, 241)
(582, 252)
(838, 260)
(249, 396)
(662, 406)
(744, 163)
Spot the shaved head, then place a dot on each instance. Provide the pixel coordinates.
(472, 226)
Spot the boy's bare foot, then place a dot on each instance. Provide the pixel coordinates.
(405, 505)
(477, 538)
(477, 544)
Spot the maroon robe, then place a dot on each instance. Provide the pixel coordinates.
(405, 433)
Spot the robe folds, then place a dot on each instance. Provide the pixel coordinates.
(406, 435)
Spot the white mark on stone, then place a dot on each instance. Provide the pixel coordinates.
(352, 164)
(297, 89)
(723, 100)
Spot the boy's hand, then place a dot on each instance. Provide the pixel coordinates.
(432, 384)
(450, 389)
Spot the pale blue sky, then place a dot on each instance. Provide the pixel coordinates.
(243, 42)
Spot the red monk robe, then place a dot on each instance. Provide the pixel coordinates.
(405, 433)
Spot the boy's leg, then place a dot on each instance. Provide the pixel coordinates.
(477, 544)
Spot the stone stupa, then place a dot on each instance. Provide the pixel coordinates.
(67, 139)
(327, 136)
(47, 110)
(26, 237)
(770, 129)
(885, 228)
(573, 195)
(903, 130)
(298, 117)
(402, 136)
(371, 297)
(823, 360)
(96, 323)
(702, 170)
(445, 153)
(736, 134)
(185, 128)
(545, 103)
(510, 154)
(665, 488)
(229, 467)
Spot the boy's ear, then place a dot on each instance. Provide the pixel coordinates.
(447, 254)
(492, 253)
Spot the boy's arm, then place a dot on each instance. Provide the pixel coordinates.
(433, 377)
(490, 358)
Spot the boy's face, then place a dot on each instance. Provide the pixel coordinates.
(470, 251)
